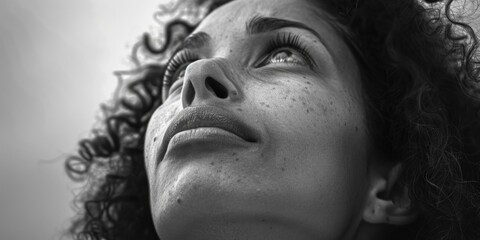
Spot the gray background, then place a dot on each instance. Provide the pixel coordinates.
(56, 63)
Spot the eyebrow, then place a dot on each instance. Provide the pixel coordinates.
(196, 40)
(256, 25)
(261, 24)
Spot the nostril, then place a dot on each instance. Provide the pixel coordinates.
(189, 93)
(216, 87)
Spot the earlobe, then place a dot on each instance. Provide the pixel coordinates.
(386, 205)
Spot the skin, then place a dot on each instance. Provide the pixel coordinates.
(306, 177)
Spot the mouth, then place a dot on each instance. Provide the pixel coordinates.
(207, 117)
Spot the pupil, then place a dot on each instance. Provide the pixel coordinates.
(180, 75)
(282, 55)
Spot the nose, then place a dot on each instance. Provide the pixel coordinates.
(208, 80)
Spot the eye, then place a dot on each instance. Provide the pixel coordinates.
(287, 48)
(286, 56)
(175, 71)
(177, 79)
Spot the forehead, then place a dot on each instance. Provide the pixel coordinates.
(230, 20)
(236, 13)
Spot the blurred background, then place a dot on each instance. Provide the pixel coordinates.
(56, 64)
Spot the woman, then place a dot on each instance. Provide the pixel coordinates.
(292, 119)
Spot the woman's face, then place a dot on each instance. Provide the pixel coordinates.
(264, 137)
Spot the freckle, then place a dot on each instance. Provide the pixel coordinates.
(263, 220)
(304, 103)
(262, 103)
(239, 109)
(273, 88)
(231, 50)
(212, 163)
(345, 124)
(179, 201)
(283, 169)
(304, 77)
(239, 180)
(308, 110)
(261, 155)
(331, 102)
(236, 159)
(290, 106)
(309, 83)
(267, 105)
(293, 99)
(234, 154)
(154, 139)
(306, 87)
(356, 128)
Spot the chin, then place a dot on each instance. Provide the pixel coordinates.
(190, 224)
(205, 203)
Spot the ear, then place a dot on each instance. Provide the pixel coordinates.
(387, 202)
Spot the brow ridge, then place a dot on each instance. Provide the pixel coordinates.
(196, 40)
(256, 25)
(261, 24)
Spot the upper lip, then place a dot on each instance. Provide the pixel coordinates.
(207, 116)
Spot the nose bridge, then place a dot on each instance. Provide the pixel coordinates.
(210, 79)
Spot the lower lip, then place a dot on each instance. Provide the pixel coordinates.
(207, 139)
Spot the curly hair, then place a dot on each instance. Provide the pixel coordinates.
(422, 88)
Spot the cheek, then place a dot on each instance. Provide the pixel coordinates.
(308, 117)
(328, 145)
(155, 131)
(300, 106)
(317, 134)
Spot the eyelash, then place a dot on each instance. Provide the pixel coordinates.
(177, 61)
(288, 40)
(281, 40)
